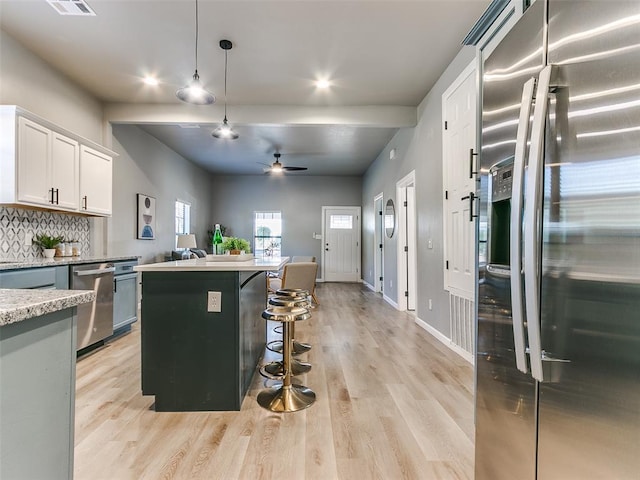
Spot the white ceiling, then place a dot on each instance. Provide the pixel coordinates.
(382, 55)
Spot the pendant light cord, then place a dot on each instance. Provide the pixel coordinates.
(225, 84)
(196, 36)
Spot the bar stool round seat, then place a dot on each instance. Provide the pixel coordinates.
(286, 314)
(290, 292)
(287, 397)
(298, 347)
(275, 370)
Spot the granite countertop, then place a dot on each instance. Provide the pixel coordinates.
(21, 304)
(204, 265)
(54, 262)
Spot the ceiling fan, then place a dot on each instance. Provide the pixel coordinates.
(277, 167)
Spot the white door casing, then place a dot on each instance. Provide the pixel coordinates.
(407, 242)
(341, 244)
(459, 138)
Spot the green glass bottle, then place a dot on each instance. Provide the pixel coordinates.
(217, 241)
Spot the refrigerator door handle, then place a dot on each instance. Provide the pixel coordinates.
(515, 238)
(531, 223)
(547, 357)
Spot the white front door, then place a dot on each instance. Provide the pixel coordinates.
(341, 249)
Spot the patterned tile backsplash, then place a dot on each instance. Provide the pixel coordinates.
(17, 223)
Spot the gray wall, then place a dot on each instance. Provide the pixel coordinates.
(419, 149)
(147, 166)
(28, 81)
(300, 198)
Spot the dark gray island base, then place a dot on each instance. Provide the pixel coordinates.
(193, 359)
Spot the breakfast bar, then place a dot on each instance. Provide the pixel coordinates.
(202, 334)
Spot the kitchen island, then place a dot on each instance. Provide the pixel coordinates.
(37, 381)
(202, 331)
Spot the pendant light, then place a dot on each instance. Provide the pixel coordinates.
(225, 130)
(193, 92)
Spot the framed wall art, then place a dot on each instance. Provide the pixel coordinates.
(146, 217)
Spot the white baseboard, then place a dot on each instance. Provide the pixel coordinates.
(368, 285)
(390, 302)
(445, 340)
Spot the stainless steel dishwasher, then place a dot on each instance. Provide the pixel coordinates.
(95, 320)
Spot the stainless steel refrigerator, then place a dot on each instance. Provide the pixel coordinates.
(558, 333)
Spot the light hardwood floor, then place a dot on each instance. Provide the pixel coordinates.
(392, 403)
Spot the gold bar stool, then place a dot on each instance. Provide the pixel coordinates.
(287, 397)
(290, 301)
(294, 293)
(275, 370)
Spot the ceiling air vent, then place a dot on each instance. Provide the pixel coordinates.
(71, 7)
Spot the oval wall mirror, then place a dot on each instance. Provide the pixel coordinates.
(389, 218)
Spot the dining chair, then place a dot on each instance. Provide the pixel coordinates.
(297, 275)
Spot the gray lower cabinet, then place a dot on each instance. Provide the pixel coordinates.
(39, 277)
(125, 305)
(37, 398)
(125, 296)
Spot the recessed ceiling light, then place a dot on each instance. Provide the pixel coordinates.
(150, 81)
(323, 84)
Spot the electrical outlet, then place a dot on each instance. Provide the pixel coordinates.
(430, 243)
(214, 301)
(430, 304)
(28, 239)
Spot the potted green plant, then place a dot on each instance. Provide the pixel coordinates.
(236, 245)
(48, 244)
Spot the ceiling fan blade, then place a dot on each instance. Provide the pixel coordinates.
(294, 169)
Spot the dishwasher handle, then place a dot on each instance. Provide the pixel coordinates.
(97, 271)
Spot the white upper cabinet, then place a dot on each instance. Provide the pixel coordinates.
(95, 181)
(34, 163)
(64, 171)
(43, 165)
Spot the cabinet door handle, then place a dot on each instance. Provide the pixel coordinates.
(84, 202)
(57, 197)
(51, 192)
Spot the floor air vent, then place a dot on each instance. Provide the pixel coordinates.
(71, 7)
(461, 311)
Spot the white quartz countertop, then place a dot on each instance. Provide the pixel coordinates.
(21, 304)
(204, 265)
(56, 261)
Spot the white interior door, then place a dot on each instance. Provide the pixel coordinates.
(341, 249)
(411, 247)
(459, 138)
(407, 249)
(378, 245)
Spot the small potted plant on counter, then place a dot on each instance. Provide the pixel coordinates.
(236, 246)
(48, 244)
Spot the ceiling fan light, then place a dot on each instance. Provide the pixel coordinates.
(195, 93)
